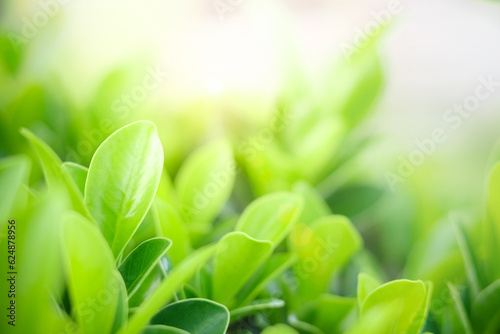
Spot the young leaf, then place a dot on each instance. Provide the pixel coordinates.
(256, 306)
(472, 266)
(170, 225)
(78, 173)
(93, 286)
(179, 275)
(323, 248)
(331, 311)
(366, 284)
(314, 205)
(237, 257)
(141, 261)
(14, 172)
(271, 217)
(121, 315)
(122, 180)
(160, 329)
(269, 271)
(205, 181)
(354, 199)
(381, 318)
(302, 326)
(280, 329)
(492, 224)
(38, 241)
(460, 309)
(195, 316)
(409, 296)
(54, 174)
(486, 310)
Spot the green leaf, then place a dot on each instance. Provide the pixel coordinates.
(279, 329)
(122, 181)
(54, 174)
(179, 275)
(331, 311)
(237, 257)
(121, 315)
(78, 173)
(378, 319)
(409, 296)
(11, 54)
(472, 267)
(141, 261)
(196, 316)
(314, 205)
(366, 284)
(38, 242)
(322, 248)
(492, 224)
(169, 224)
(460, 309)
(205, 182)
(256, 306)
(269, 271)
(302, 326)
(354, 199)
(93, 285)
(166, 191)
(486, 310)
(271, 217)
(160, 329)
(14, 172)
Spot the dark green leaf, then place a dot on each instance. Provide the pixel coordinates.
(196, 316)
(141, 261)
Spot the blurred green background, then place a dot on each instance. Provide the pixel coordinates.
(74, 71)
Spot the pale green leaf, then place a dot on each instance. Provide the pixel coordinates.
(322, 248)
(205, 182)
(14, 172)
(93, 285)
(54, 174)
(331, 311)
(237, 257)
(271, 217)
(169, 224)
(314, 205)
(409, 296)
(280, 329)
(121, 315)
(366, 284)
(122, 181)
(78, 173)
